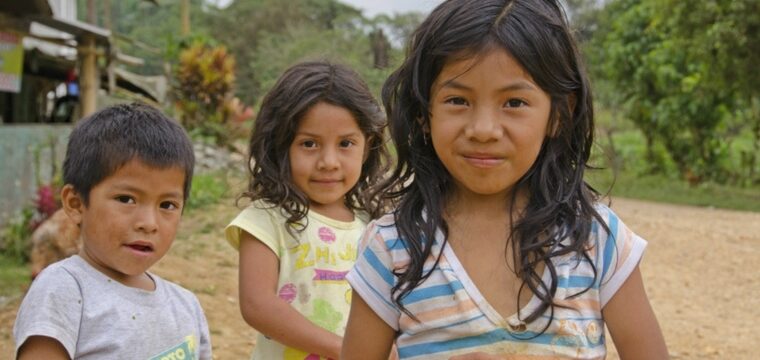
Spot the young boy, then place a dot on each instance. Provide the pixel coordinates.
(127, 175)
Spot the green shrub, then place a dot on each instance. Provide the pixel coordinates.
(14, 276)
(208, 188)
(15, 243)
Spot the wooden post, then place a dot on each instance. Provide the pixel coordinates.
(185, 16)
(107, 15)
(89, 75)
(91, 8)
(113, 49)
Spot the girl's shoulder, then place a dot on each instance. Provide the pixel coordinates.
(607, 217)
(261, 208)
(384, 226)
(387, 220)
(260, 219)
(603, 209)
(612, 233)
(379, 228)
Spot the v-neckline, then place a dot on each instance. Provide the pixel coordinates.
(511, 322)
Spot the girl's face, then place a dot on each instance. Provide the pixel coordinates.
(488, 122)
(326, 157)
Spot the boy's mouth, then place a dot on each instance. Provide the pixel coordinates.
(140, 246)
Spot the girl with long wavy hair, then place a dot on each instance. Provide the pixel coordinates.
(497, 247)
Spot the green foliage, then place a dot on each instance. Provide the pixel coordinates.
(624, 171)
(207, 188)
(15, 242)
(148, 31)
(245, 25)
(666, 189)
(674, 70)
(264, 36)
(14, 276)
(15, 237)
(204, 81)
(281, 33)
(279, 51)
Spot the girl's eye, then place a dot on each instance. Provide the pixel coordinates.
(456, 101)
(513, 103)
(125, 199)
(346, 143)
(168, 205)
(309, 144)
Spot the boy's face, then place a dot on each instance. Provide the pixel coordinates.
(130, 221)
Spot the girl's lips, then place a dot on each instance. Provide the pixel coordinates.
(326, 181)
(483, 160)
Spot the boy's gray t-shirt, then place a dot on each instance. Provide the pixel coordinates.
(95, 317)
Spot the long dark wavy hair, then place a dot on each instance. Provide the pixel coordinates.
(558, 216)
(298, 89)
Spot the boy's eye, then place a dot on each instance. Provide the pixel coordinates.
(125, 199)
(513, 103)
(169, 205)
(456, 101)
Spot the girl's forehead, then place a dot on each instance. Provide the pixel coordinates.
(496, 59)
(324, 118)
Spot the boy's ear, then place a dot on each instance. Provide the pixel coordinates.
(73, 203)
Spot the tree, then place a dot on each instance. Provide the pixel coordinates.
(676, 74)
(245, 25)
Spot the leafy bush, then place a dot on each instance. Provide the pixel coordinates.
(207, 189)
(15, 243)
(203, 91)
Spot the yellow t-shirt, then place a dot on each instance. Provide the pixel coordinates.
(313, 267)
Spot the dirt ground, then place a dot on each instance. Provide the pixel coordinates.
(698, 268)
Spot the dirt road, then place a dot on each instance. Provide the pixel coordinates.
(698, 268)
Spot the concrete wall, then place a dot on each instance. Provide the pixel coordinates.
(28, 154)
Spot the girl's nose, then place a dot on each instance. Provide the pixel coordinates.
(484, 126)
(328, 159)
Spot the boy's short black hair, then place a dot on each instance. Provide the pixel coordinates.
(103, 142)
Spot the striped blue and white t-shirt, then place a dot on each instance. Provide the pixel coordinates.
(454, 318)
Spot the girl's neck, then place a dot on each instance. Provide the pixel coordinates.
(336, 212)
(463, 202)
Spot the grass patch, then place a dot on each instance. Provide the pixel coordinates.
(14, 277)
(207, 189)
(661, 188)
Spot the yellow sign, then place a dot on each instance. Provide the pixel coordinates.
(11, 61)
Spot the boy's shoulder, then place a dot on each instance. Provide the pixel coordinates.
(175, 290)
(61, 274)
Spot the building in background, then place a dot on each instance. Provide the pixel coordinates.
(53, 70)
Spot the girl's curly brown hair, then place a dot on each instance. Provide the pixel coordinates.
(298, 89)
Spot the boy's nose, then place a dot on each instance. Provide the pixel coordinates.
(147, 220)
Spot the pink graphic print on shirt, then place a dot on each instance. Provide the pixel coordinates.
(287, 292)
(326, 234)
